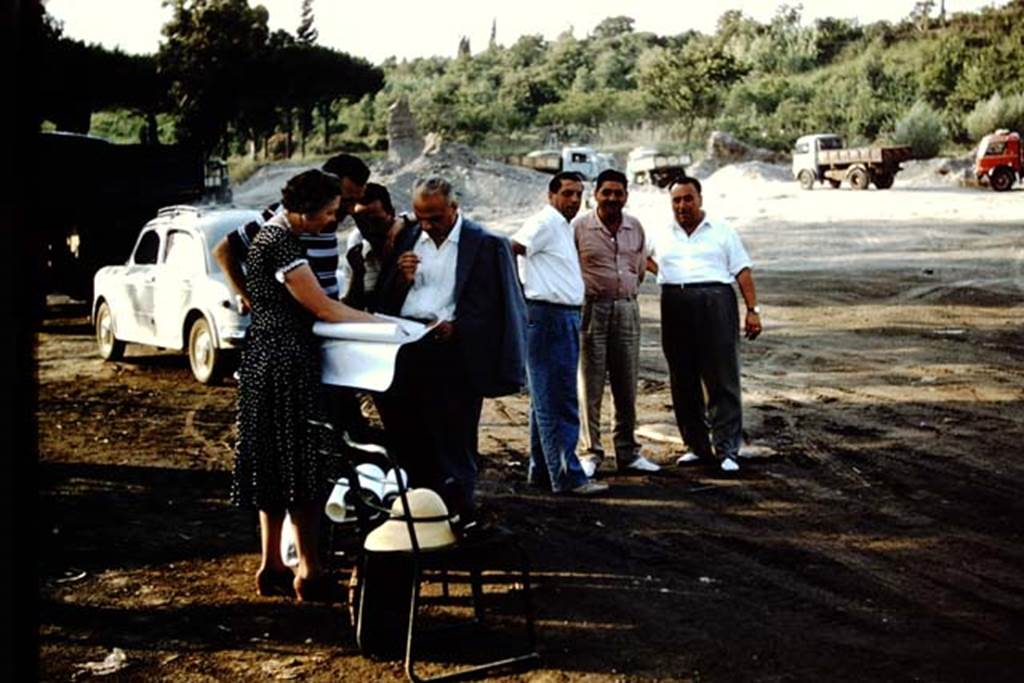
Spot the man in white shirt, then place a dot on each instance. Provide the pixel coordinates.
(697, 259)
(553, 285)
(453, 271)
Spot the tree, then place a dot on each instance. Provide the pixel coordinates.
(921, 128)
(305, 33)
(687, 84)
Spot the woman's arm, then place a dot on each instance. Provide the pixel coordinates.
(303, 285)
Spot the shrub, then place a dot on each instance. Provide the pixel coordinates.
(996, 112)
(921, 128)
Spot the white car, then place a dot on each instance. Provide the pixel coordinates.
(171, 293)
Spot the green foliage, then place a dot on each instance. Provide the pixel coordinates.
(994, 113)
(921, 128)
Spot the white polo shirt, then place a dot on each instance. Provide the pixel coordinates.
(713, 253)
(550, 270)
(432, 294)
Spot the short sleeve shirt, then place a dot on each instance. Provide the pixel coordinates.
(275, 251)
(321, 250)
(550, 270)
(714, 252)
(612, 265)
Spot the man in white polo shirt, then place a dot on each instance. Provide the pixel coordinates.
(550, 270)
(697, 259)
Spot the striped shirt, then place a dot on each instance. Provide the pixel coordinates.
(321, 249)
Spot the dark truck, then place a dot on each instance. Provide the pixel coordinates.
(95, 195)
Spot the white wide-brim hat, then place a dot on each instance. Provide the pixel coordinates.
(393, 535)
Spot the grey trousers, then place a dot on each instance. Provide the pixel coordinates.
(609, 347)
(700, 339)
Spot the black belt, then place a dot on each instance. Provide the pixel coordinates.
(695, 285)
(551, 304)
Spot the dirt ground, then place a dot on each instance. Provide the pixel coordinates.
(877, 537)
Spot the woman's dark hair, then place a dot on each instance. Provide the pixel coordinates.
(310, 191)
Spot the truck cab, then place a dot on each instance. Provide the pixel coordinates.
(999, 160)
(805, 152)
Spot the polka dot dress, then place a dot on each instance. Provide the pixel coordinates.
(277, 463)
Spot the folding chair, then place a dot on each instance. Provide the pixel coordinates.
(399, 575)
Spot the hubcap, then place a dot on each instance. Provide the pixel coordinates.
(203, 351)
(106, 331)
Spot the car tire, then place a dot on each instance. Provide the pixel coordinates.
(206, 360)
(110, 347)
(806, 179)
(1002, 179)
(859, 179)
(884, 181)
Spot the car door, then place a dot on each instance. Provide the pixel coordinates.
(183, 267)
(133, 315)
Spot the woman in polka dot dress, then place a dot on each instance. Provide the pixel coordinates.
(278, 466)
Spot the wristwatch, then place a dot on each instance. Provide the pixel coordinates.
(754, 309)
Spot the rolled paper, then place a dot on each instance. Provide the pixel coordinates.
(289, 553)
(391, 484)
(371, 478)
(336, 508)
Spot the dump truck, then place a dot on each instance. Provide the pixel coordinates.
(102, 193)
(586, 161)
(823, 158)
(650, 165)
(1000, 160)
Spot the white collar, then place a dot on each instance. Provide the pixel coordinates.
(453, 234)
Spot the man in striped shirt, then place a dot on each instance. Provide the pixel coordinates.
(321, 249)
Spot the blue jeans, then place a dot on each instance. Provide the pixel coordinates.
(552, 352)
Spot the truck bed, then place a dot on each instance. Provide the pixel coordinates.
(864, 155)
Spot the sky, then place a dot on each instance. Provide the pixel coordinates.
(408, 29)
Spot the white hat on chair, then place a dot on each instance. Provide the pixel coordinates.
(393, 535)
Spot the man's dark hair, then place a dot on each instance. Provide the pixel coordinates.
(611, 176)
(376, 192)
(310, 191)
(556, 183)
(347, 166)
(683, 179)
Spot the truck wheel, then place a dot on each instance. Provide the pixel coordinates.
(884, 181)
(1001, 180)
(834, 183)
(806, 179)
(859, 179)
(110, 347)
(206, 360)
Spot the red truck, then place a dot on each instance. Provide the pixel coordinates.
(1000, 160)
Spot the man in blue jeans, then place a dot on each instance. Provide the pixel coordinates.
(553, 286)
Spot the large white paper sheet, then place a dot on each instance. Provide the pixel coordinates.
(362, 355)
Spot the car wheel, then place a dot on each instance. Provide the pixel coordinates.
(806, 179)
(1002, 179)
(206, 360)
(859, 179)
(110, 347)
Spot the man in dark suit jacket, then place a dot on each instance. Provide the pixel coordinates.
(453, 271)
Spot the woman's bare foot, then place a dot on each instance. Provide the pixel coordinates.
(315, 588)
(275, 582)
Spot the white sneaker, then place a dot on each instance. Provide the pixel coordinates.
(642, 464)
(687, 458)
(589, 464)
(590, 488)
(730, 465)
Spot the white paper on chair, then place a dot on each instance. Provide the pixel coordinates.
(362, 355)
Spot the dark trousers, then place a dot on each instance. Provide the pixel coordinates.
(700, 339)
(431, 419)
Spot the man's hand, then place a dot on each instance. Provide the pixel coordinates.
(443, 332)
(407, 264)
(752, 325)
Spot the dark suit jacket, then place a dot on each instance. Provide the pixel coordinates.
(490, 313)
